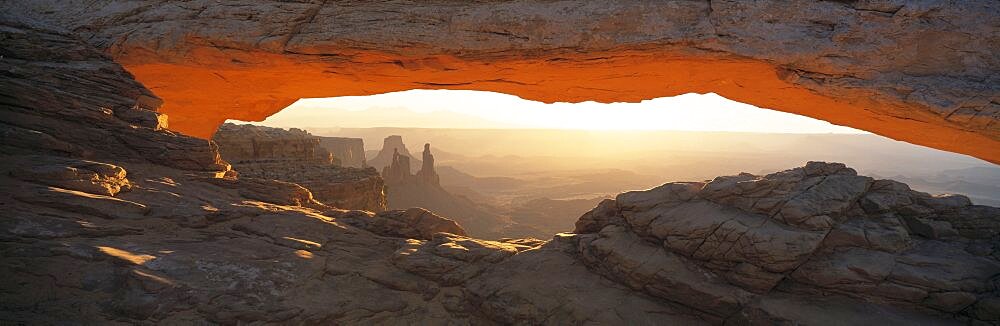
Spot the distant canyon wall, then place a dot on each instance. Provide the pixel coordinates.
(925, 72)
(349, 151)
(296, 156)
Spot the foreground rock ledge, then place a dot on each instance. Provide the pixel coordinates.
(923, 72)
(807, 245)
(121, 221)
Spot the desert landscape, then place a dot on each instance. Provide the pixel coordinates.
(129, 199)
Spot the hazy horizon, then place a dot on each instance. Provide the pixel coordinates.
(456, 109)
(559, 161)
(585, 150)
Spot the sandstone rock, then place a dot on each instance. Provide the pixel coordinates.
(427, 174)
(976, 222)
(929, 228)
(143, 116)
(405, 190)
(707, 231)
(80, 175)
(753, 278)
(988, 309)
(944, 202)
(746, 232)
(931, 84)
(524, 243)
(271, 191)
(390, 146)
(78, 202)
(950, 301)
(298, 157)
(83, 95)
(886, 195)
(668, 193)
(881, 233)
(240, 144)
(413, 223)
(349, 151)
(26, 225)
(782, 309)
(940, 266)
(812, 197)
(606, 213)
(549, 285)
(451, 259)
(183, 246)
(900, 292)
(852, 269)
(397, 173)
(648, 267)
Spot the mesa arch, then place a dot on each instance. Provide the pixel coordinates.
(923, 73)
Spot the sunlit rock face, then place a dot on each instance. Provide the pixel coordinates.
(297, 156)
(923, 72)
(110, 218)
(250, 143)
(349, 151)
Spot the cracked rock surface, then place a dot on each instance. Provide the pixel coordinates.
(763, 249)
(109, 218)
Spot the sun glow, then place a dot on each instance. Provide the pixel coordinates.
(488, 110)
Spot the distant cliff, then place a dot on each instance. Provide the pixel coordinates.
(296, 156)
(349, 151)
(391, 146)
(248, 143)
(423, 189)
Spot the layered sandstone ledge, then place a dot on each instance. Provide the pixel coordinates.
(922, 72)
(296, 156)
(110, 218)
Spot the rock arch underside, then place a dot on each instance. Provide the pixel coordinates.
(921, 72)
(111, 218)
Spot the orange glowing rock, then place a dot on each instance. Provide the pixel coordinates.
(199, 97)
(925, 74)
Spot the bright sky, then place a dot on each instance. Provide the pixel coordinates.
(488, 110)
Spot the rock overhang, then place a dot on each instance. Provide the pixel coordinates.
(925, 73)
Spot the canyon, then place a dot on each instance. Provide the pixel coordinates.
(405, 189)
(116, 215)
